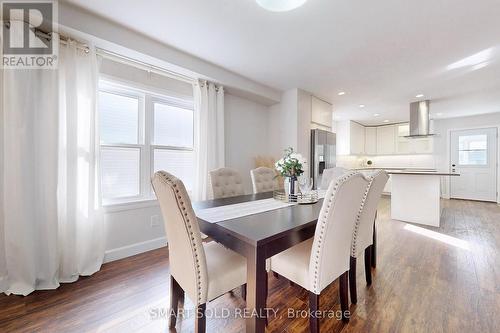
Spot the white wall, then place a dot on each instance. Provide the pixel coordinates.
(246, 135)
(129, 230)
(442, 127)
(290, 123)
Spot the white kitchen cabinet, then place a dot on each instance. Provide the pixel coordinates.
(357, 138)
(350, 138)
(405, 145)
(386, 140)
(370, 140)
(423, 145)
(321, 112)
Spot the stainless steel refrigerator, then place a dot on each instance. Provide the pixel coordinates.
(323, 153)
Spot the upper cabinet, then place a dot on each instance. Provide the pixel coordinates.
(356, 139)
(404, 145)
(321, 113)
(386, 136)
(350, 138)
(370, 140)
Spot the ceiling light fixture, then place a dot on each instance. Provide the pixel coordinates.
(376, 114)
(341, 93)
(419, 96)
(439, 114)
(280, 5)
(386, 121)
(361, 105)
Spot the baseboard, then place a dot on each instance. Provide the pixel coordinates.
(131, 250)
(3, 284)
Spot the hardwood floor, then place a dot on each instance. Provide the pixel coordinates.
(426, 280)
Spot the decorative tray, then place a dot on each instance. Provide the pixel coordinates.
(300, 198)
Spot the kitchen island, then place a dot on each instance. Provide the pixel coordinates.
(416, 195)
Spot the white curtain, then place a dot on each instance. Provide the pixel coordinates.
(51, 218)
(209, 141)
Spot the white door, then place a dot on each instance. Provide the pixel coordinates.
(474, 156)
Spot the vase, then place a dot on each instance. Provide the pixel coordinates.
(290, 185)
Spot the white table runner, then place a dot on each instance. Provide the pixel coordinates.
(228, 212)
(222, 213)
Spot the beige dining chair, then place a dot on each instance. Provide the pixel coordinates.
(225, 182)
(315, 263)
(364, 230)
(204, 271)
(263, 180)
(329, 175)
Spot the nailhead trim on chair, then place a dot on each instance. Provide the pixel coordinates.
(322, 225)
(170, 181)
(354, 250)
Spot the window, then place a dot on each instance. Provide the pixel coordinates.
(473, 149)
(142, 132)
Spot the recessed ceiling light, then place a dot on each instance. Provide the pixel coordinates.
(341, 93)
(361, 105)
(386, 121)
(439, 114)
(280, 5)
(376, 114)
(419, 95)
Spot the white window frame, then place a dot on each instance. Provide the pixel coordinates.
(147, 99)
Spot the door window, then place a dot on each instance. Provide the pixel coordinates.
(473, 149)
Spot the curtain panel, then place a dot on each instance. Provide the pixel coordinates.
(209, 129)
(51, 224)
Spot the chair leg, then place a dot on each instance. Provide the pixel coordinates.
(313, 308)
(344, 296)
(200, 321)
(352, 281)
(244, 291)
(368, 265)
(267, 294)
(176, 295)
(374, 247)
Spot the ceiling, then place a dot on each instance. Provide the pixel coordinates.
(381, 53)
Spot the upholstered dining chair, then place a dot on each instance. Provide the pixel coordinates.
(364, 230)
(225, 182)
(315, 263)
(263, 179)
(329, 175)
(204, 271)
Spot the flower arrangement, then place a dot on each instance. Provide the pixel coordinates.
(291, 165)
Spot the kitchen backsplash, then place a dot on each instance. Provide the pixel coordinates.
(388, 161)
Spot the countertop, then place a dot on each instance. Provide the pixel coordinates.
(410, 171)
(422, 173)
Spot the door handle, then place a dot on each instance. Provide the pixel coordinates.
(453, 165)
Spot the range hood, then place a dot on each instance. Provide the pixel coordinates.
(419, 119)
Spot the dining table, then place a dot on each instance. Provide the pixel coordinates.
(257, 235)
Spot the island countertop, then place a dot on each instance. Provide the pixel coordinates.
(422, 173)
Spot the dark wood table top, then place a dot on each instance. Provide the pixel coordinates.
(262, 228)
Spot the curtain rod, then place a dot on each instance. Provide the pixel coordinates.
(144, 66)
(62, 39)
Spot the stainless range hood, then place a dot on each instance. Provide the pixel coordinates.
(419, 119)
